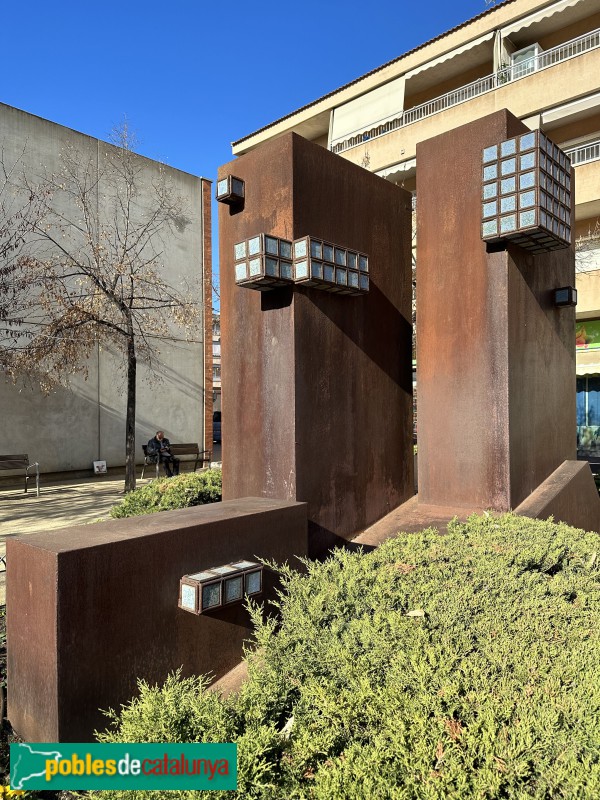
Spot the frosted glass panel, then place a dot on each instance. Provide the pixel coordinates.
(527, 161)
(272, 267)
(253, 582)
(508, 166)
(508, 204)
(316, 249)
(255, 266)
(301, 269)
(188, 596)
(271, 246)
(254, 246)
(490, 228)
(234, 589)
(239, 250)
(490, 154)
(526, 199)
(340, 257)
(526, 218)
(527, 180)
(329, 273)
(327, 252)
(490, 209)
(508, 185)
(490, 190)
(364, 282)
(285, 269)
(508, 148)
(508, 224)
(241, 271)
(527, 141)
(300, 250)
(352, 260)
(491, 172)
(211, 595)
(363, 263)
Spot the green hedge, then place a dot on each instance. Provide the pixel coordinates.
(449, 667)
(167, 494)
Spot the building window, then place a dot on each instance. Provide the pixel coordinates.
(217, 373)
(588, 415)
(216, 348)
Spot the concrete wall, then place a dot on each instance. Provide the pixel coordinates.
(72, 427)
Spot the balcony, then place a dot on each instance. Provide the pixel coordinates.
(549, 58)
(584, 153)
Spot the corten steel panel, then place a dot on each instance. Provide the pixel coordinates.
(341, 392)
(257, 343)
(96, 608)
(496, 361)
(569, 495)
(32, 660)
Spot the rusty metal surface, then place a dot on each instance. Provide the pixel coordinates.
(496, 361)
(317, 388)
(92, 609)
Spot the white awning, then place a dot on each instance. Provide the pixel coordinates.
(537, 16)
(588, 362)
(397, 171)
(450, 54)
(368, 110)
(589, 103)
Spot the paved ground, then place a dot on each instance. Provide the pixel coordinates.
(60, 505)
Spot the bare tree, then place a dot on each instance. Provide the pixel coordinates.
(95, 271)
(20, 211)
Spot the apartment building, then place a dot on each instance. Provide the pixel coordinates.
(539, 59)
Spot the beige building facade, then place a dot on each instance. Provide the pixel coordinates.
(538, 58)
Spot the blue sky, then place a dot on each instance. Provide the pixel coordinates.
(193, 76)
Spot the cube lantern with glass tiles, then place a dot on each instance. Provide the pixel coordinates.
(526, 194)
(230, 190)
(329, 267)
(263, 262)
(219, 586)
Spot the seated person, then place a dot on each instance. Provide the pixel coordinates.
(160, 447)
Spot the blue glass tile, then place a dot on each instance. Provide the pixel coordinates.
(352, 260)
(329, 273)
(316, 269)
(222, 187)
(527, 141)
(239, 250)
(255, 267)
(508, 148)
(253, 582)
(527, 161)
(508, 185)
(254, 246)
(271, 246)
(241, 271)
(508, 166)
(328, 253)
(285, 270)
(363, 263)
(526, 219)
(526, 199)
(272, 267)
(364, 282)
(508, 224)
(490, 154)
(489, 228)
(301, 268)
(285, 248)
(234, 589)
(211, 595)
(353, 279)
(300, 250)
(489, 190)
(491, 172)
(237, 187)
(490, 209)
(526, 180)
(508, 204)
(341, 277)
(340, 257)
(316, 249)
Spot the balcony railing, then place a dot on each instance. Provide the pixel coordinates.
(583, 153)
(563, 52)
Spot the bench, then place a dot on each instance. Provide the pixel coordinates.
(22, 462)
(177, 450)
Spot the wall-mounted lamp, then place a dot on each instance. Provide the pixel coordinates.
(230, 190)
(329, 267)
(565, 296)
(263, 262)
(220, 586)
(526, 193)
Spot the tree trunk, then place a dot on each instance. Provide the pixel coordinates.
(130, 417)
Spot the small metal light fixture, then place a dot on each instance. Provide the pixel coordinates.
(263, 262)
(526, 194)
(565, 296)
(330, 267)
(230, 190)
(220, 586)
